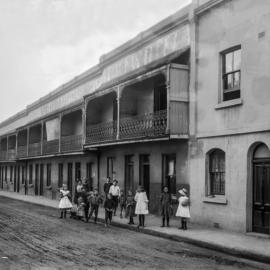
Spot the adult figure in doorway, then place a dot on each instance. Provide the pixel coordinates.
(78, 190)
(107, 185)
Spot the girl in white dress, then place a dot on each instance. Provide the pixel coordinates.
(141, 208)
(64, 203)
(183, 208)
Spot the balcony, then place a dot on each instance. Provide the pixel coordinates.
(50, 147)
(71, 143)
(144, 126)
(103, 132)
(3, 155)
(11, 154)
(22, 151)
(34, 149)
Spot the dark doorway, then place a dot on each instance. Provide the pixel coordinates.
(89, 175)
(15, 179)
(18, 178)
(261, 190)
(36, 179)
(145, 173)
(69, 178)
(41, 179)
(129, 173)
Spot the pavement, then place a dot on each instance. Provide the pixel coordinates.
(248, 246)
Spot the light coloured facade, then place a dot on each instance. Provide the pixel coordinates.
(183, 104)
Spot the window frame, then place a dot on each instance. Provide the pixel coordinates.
(209, 171)
(48, 174)
(225, 74)
(166, 158)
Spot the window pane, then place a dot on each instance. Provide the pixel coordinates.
(228, 81)
(236, 80)
(237, 60)
(228, 62)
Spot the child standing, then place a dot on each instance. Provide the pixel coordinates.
(166, 206)
(130, 207)
(141, 205)
(122, 202)
(183, 208)
(109, 206)
(64, 203)
(94, 201)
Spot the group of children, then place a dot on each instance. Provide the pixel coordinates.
(87, 204)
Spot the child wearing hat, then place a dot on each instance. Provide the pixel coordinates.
(141, 208)
(183, 208)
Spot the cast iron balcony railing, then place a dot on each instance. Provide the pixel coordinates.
(3, 155)
(102, 132)
(11, 154)
(34, 149)
(51, 147)
(71, 143)
(146, 125)
(22, 151)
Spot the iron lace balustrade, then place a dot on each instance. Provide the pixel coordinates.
(146, 125)
(3, 155)
(22, 151)
(71, 143)
(34, 149)
(51, 147)
(11, 154)
(103, 132)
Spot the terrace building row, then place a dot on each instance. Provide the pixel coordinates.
(183, 104)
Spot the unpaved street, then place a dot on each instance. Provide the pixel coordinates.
(33, 237)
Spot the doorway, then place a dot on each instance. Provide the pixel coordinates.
(19, 179)
(69, 178)
(41, 179)
(261, 190)
(129, 173)
(36, 179)
(145, 174)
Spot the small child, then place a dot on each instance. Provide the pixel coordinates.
(141, 208)
(130, 207)
(81, 208)
(183, 208)
(94, 201)
(64, 203)
(73, 212)
(122, 202)
(109, 206)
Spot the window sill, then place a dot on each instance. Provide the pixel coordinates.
(215, 200)
(229, 103)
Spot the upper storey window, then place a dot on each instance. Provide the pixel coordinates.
(231, 73)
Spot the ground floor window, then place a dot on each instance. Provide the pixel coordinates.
(23, 175)
(89, 175)
(10, 173)
(216, 172)
(78, 171)
(129, 173)
(169, 172)
(5, 173)
(144, 179)
(110, 167)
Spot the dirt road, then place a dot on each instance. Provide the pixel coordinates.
(33, 237)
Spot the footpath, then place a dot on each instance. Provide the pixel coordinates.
(248, 246)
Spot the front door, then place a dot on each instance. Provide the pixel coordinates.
(129, 173)
(36, 179)
(69, 180)
(145, 173)
(261, 198)
(18, 178)
(41, 179)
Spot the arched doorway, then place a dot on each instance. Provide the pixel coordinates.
(261, 189)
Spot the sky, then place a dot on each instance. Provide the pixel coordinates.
(45, 43)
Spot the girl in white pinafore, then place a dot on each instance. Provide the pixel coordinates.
(183, 208)
(141, 208)
(64, 203)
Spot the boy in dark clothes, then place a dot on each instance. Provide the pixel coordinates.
(109, 206)
(94, 201)
(130, 207)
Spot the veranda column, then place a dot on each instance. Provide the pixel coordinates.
(16, 145)
(60, 131)
(84, 124)
(118, 98)
(42, 137)
(168, 87)
(27, 141)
